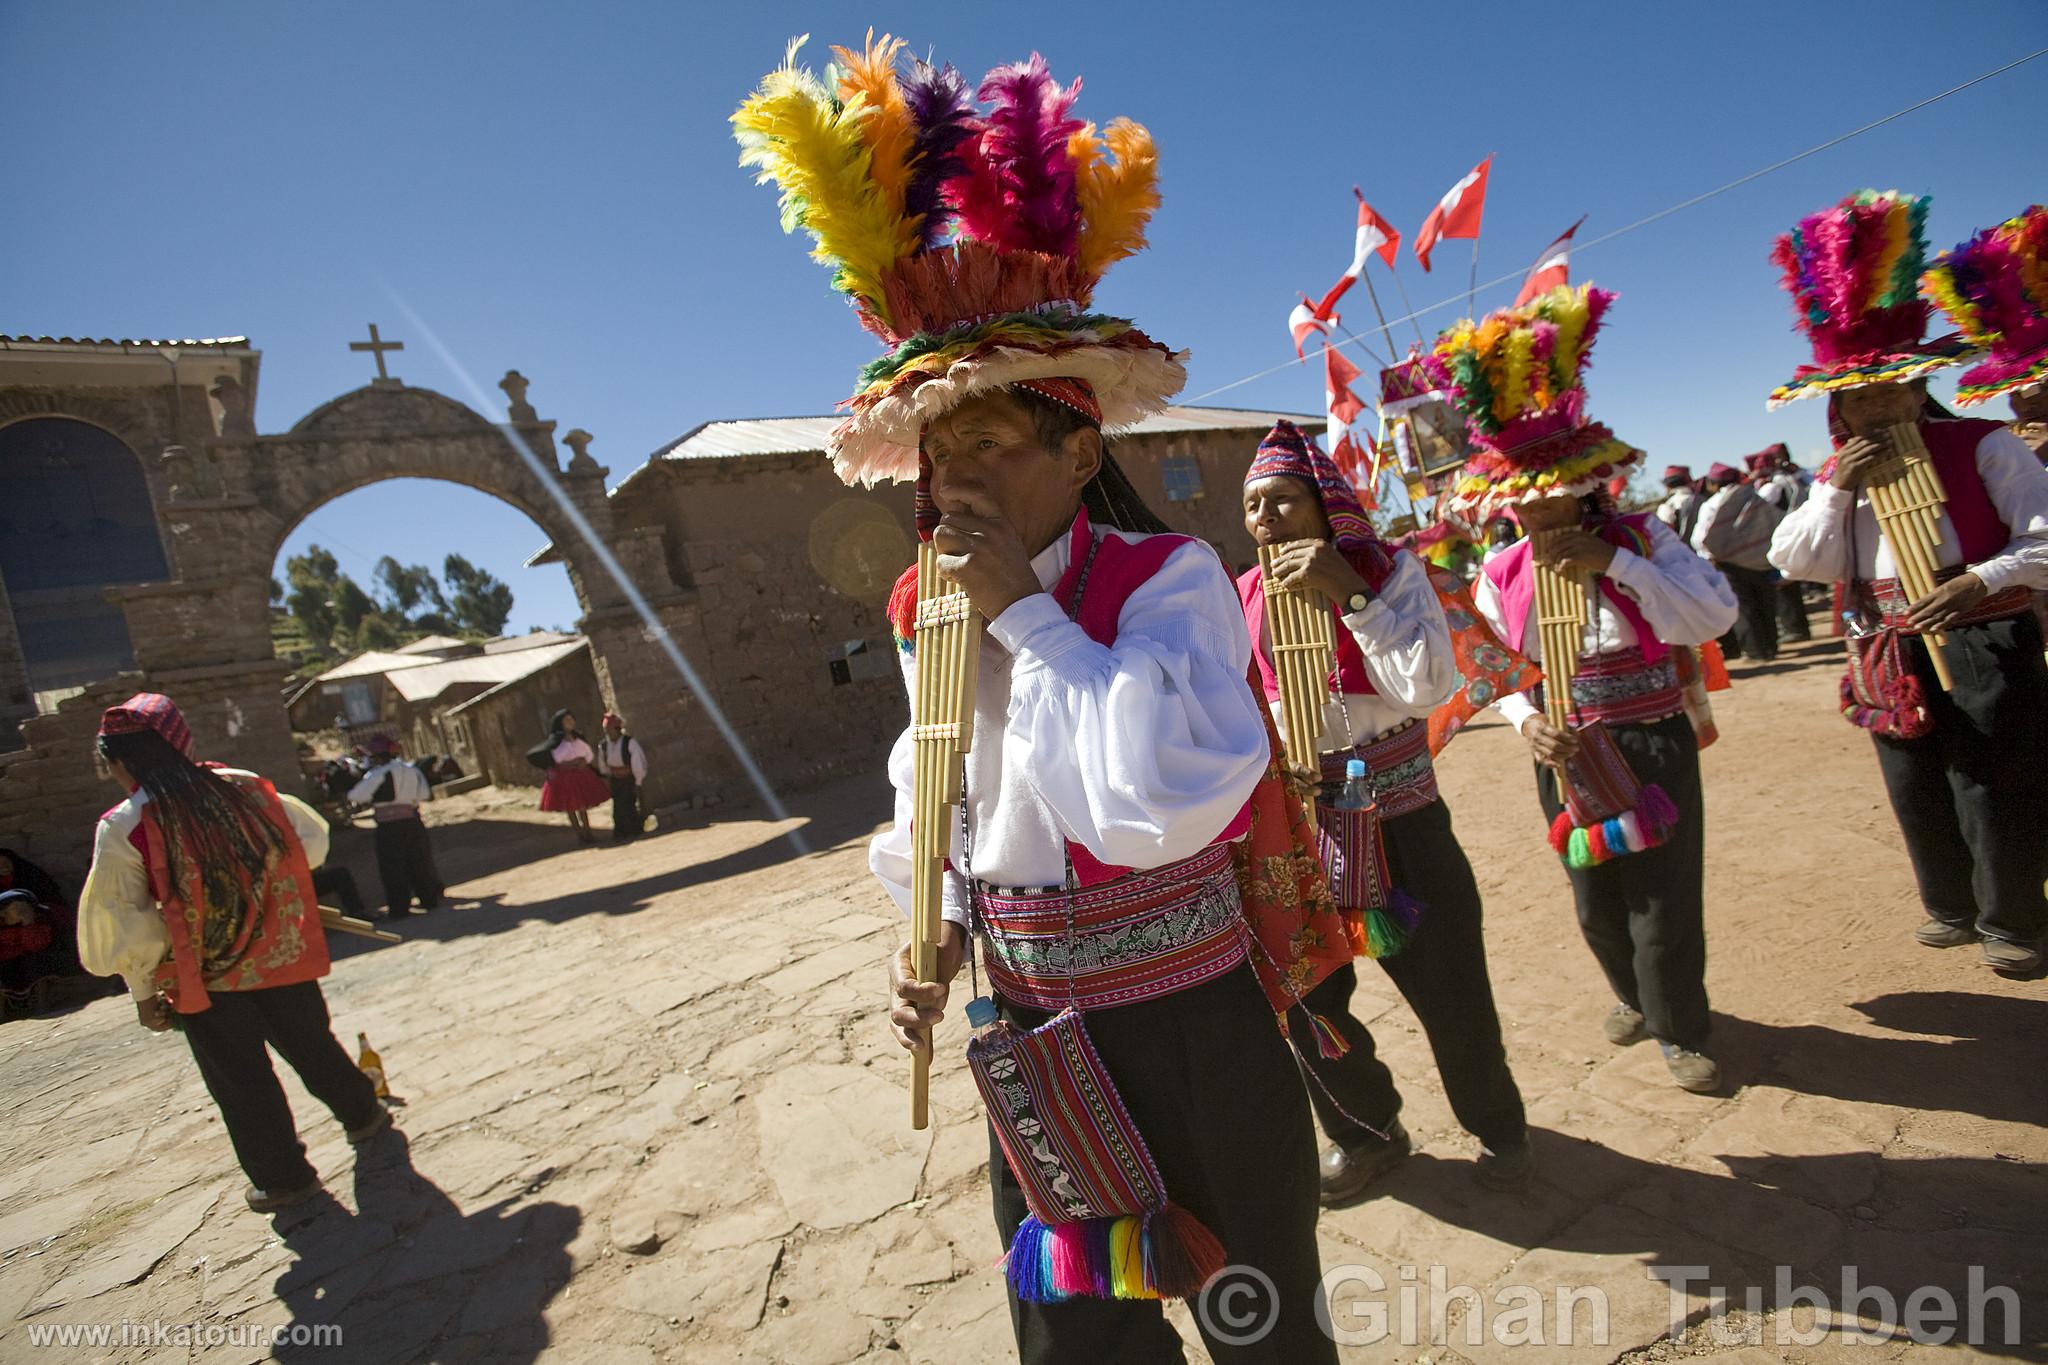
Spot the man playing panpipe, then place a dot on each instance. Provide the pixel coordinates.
(1394, 665)
(1611, 684)
(1947, 672)
(201, 897)
(1115, 743)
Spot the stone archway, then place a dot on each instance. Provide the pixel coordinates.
(226, 504)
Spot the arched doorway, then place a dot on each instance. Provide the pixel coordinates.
(79, 520)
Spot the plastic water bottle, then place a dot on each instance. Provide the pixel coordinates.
(1357, 792)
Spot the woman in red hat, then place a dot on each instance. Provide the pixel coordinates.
(201, 897)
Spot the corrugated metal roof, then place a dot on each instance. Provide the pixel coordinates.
(513, 644)
(798, 435)
(433, 644)
(428, 681)
(369, 665)
(237, 343)
(532, 661)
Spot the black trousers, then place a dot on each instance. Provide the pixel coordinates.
(1643, 914)
(1441, 973)
(1792, 623)
(339, 885)
(228, 1040)
(1207, 1079)
(1756, 623)
(626, 822)
(1972, 797)
(405, 864)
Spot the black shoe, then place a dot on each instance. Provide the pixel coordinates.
(1346, 1171)
(1505, 1171)
(399, 912)
(1941, 933)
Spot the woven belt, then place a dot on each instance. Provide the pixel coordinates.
(1892, 603)
(1621, 689)
(1398, 762)
(1137, 938)
(393, 812)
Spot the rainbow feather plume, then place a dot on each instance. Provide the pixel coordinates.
(870, 76)
(1994, 287)
(1018, 193)
(1853, 270)
(942, 115)
(812, 148)
(1117, 192)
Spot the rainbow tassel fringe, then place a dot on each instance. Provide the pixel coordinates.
(1330, 1044)
(1631, 831)
(1388, 927)
(1165, 1254)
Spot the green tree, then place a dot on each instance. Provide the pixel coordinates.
(375, 631)
(276, 592)
(408, 587)
(309, 594)
(477, 601)
(351, 604)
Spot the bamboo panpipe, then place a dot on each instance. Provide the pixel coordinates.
(331, 918)
(1906, 495)
(1302, 631)
(948, 660)
(1560, 626)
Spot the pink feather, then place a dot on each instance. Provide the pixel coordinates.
(1018, 191)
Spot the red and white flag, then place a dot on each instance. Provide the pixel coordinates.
(1343, 405)
(1457, 214)
(1375, 236)
(1552, 268)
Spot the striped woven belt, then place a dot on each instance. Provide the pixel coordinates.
(1403, 777)
(1137, 938)
(393, 812)
(1892, 602)
(1621, 689)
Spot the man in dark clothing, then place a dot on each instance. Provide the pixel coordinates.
(394, 790)
(623, 762)
(1734, 531)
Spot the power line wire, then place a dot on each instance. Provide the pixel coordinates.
(1654, 217)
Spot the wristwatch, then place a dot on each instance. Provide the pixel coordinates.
(1357, 602)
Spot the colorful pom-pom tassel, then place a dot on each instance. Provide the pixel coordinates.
(1561, 833)
(1329, 1043)
(1181, 1255)
(1027, 1264)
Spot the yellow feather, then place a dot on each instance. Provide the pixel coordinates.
(1117, 197)
(887, 129)
(812, 148)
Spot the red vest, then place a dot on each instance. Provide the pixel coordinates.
(286, 943)
(1980, 532)
(1511, 574)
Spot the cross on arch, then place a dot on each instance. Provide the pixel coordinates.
(377, 346)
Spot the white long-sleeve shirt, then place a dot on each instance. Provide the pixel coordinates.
(1813, 541)
(408, 786)
(1783, 490)
(1141, 751)
(1406, 645)
(1675, 505)
(1684, 599)
(120, 929)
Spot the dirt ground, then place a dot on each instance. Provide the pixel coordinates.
(651, 1114)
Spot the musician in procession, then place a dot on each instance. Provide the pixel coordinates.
(1965, 762)
(201, 897)
(1785, 486)
(1635, 860)
(1395, 664)
(1734, 532)
(1116, 742)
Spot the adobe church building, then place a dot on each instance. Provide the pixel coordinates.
(146, 512)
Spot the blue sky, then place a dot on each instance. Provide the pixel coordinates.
(553, 188)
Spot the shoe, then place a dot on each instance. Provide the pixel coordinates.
(1941, 933)
(1623, 1025)
(2017, 959)
(263, 1201)
(1694, 1071)
(1346, 1171)
(404, 912)
(376, 1126)
(1505, 1171)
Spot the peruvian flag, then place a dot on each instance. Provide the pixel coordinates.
(1552, 268)
(1457, 214)
(1343, 405)
(1375, 236)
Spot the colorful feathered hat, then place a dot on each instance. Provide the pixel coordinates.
(1853, 271)
(1518, 377)
(970, 240)
(1995, 288)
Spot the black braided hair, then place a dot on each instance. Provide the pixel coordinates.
(210, 825)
